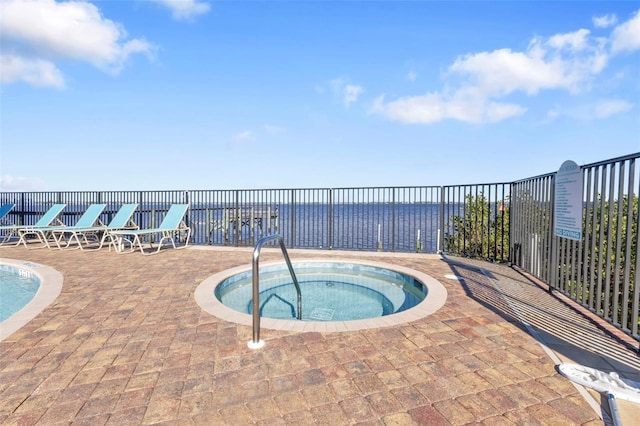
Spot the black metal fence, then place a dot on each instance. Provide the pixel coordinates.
(503, 222)
(388, 219)
(599, 271)
(476, 220)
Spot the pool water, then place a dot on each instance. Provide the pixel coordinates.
(17, 288)
(330, 292)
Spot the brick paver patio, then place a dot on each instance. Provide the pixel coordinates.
(126, 344)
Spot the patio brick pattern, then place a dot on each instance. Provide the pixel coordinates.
(126, 344)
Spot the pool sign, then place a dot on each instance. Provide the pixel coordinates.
(567, 214)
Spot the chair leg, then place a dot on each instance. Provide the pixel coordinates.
(7, 237)
(37, 234)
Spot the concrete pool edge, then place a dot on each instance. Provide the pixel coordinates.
(50, 287)
(436, 298)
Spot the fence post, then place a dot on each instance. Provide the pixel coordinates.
(21, 217)
(292, 210)
(510, 255)
(441, 233)
(554, 241)
(186, 201)
(393, 219)
(235, 218)
(330, 220)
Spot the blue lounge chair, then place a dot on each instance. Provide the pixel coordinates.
(4, 210)
(172, 224)
(45, 233)
(47, 219)
(123, 219)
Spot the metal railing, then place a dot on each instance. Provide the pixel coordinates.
(256, 343)
(600, 271)
(502, 222)
(476, 220)
(388, 219)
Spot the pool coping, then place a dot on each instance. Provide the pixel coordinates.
(50, 287)
(436, 298)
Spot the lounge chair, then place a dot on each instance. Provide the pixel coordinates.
(44, 233)
(4, 210)
(123, 219)
(172, 223)
(51, 216)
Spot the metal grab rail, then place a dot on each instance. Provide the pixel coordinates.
(256, 343)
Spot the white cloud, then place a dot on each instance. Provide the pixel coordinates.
(243, 140)
(626, 36)
(244, 136)
(477, 83)
(185, 9)
(351, 93)
(591, 111)
(503, 71)
(565, 61)
(36, 72)
(553, 114)
(433, 107)
(612, 107)
(20, 184)
(578, 40)
(604, 21)
(37, 32)
(412, 76)
(347, 93)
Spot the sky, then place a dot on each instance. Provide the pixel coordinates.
(195, 94)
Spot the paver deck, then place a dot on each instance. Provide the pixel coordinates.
(126, 344)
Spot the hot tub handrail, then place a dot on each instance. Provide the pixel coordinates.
(256, 284)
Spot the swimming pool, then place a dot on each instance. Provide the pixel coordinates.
(18, 286)
(26, 289)
(336, 295)
(330, 291)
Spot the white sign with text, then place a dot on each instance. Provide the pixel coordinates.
(567, 217)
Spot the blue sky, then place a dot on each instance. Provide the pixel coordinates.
(193, 94)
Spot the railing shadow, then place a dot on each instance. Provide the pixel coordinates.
(565, 329)
(290, 305)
